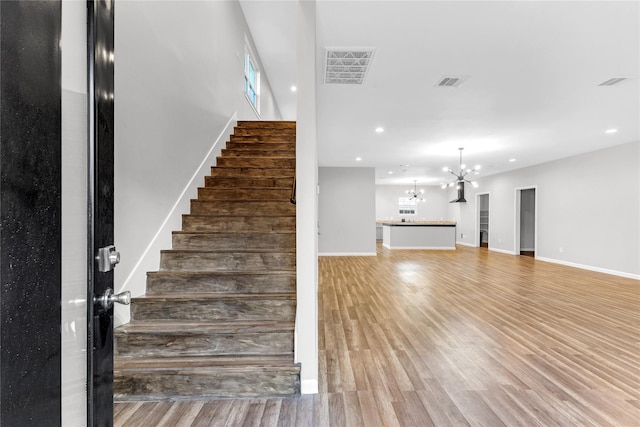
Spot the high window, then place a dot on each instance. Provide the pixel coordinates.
(252, 81)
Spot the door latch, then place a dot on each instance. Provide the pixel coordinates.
(107, 258)
(107, 299)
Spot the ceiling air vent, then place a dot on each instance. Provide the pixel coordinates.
(452, 81)
(613, 81)
(347, 66)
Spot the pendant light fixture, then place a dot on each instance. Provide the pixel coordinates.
(415, 194)
(460, 179)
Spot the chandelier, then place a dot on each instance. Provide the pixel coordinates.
(415, 194)
(460, 179)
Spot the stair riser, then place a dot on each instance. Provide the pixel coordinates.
(225, 207)
(206, 261)
(241, 172)
(255, 162)
(291, 154)
(238, 223)
(262, 138)
(227, 309)
(238, 283)
(234, 241)
(264, 131)
(266, 124)
(236, 182)
(187, 385)
(213, 193)
(176, 345)
(285, 147)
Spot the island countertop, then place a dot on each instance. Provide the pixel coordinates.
(417, 223)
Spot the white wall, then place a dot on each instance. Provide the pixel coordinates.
(74, 214)
(588, 210)
(433, 208)
(179, 76)
(346, 211)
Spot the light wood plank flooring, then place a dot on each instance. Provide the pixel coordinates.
(453, 338)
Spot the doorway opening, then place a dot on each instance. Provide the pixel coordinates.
(526, 219)
(482, 219)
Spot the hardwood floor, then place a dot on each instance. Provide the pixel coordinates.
(453, 338)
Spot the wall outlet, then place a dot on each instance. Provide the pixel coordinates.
(499, 240)
(560, 249)
(462, 235)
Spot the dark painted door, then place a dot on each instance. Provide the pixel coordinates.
(30, 213)
(102, 254)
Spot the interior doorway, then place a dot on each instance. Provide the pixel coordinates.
(482, 219)
(526, 219)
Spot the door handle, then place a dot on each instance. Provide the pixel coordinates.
(107, 258)
(107, 299)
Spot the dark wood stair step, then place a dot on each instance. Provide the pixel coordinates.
(256, 162)
(209, 260)
(170, 339)
(265, 153)
(184, 282)
(239, 193)
(243, 207)
(232, 241)
(263, 138)
(241, 223)
(252, 172)
(214, 307)
(259, 182)
(189, 378)
(284, 147)
(263, 124)
(263, 131)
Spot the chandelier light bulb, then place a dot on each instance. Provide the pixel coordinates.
(474, 184)
(477, 167)
(445, 169)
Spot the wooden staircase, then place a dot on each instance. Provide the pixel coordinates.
(218, 318)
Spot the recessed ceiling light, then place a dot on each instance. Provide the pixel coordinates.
(358, 159)
(294, 88)
(611, 131)
(390, 172)
(512, 160)
(379, 129)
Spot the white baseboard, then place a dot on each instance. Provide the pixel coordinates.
(309, 386)
(591, 268)
(466, 244)
(502, 251)
(427, 248)
(347, 254)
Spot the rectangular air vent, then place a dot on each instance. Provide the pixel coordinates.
(452, 81)
(613, 81)
(347, 66)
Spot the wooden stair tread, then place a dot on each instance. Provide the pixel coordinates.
(221, 251)
(222, 273)
(234, 233)
(205, 327)
(212, 296)
(199, 363)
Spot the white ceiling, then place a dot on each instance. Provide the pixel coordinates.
(534, 68)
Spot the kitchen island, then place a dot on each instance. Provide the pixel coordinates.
(440, 235)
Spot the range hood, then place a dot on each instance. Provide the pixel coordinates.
(460, 198)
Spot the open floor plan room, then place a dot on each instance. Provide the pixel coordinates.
(465, 337)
